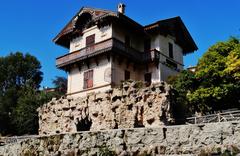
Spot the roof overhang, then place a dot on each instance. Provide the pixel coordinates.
(176, 28)
(63, 38)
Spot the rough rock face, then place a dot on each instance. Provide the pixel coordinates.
(201, 140)
(131, 106)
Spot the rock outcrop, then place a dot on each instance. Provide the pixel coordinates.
(130, 106)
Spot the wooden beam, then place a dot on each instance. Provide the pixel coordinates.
(79, 66)
(96, 61)
(87, 63)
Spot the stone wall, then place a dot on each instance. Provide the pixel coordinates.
(131, 106)
(183, 139)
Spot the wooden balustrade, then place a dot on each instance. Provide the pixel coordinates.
(111, 45)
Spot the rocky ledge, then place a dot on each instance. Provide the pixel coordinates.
(130, 106)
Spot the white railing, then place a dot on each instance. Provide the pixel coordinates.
(219, 117)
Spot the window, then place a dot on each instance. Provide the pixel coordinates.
(170, 47)
(90, 40)
(88, 79)
(127, 41)
(147, 45)
(127, 75)
(148, 78)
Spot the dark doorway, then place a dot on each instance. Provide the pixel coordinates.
(148, 78)
(84, 125)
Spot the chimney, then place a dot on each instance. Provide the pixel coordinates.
(121, 8)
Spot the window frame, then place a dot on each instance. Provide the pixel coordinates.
(88, 79)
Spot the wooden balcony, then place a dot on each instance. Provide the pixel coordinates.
(113, 46)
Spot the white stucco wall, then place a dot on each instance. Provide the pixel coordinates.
(100, 35)
(118, 72)
(177, 50)
(166, 71)
(160, 43)
(75, 77)
(152, 68)
(136, 41)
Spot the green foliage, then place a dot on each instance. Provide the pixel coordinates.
(183, 83)
(104, 151)
(25, 115)
(20, 79)
(216, 83)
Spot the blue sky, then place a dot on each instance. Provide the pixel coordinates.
(30, 25)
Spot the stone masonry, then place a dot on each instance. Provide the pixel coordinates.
(130, 106)
(205, 139)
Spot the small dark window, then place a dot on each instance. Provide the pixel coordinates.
(170, 46)
(147, 45)
(148, 78)
(90, 40)
(88, 79)
(127, 41)
(127, 75)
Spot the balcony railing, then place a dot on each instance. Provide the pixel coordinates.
(113, 45)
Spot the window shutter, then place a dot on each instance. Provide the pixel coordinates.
(90, 83)
(90, 40)
(88, 79)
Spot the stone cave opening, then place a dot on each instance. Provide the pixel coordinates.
(84, 124)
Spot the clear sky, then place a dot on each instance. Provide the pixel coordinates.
(30, 25)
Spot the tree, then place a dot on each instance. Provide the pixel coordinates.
(18, 74)
(25, 114)
(216, 72)
(216, 83)
(60, 83)
(183, 83)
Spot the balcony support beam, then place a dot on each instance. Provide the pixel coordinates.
(96, 61)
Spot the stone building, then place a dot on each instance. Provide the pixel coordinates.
(107, 47)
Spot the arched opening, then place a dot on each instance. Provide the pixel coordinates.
(84, 124)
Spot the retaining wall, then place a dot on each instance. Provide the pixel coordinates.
(183, 139)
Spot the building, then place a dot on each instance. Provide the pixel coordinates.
(107, 47)
(192, 69)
